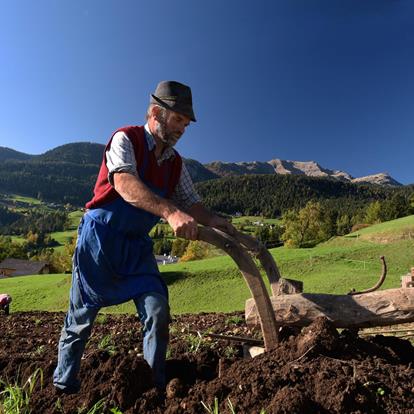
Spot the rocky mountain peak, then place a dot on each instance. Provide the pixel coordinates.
(381, 179)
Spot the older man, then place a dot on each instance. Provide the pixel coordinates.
(142, 178)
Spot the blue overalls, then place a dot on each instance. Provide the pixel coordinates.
(114, 263)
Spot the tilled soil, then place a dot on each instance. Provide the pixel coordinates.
(315, 370)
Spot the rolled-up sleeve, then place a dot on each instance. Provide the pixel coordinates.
(120, 157)
(185, 194)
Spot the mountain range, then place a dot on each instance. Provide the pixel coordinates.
(85, 153)
(287, 167)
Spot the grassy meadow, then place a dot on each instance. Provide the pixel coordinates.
(25, 199)
(63, 237)
(216, 285)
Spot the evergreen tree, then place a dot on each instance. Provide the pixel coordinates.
(343, 225)
(373, 213)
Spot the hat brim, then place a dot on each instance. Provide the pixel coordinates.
(173, 106)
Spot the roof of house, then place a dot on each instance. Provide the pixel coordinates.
(23, 267)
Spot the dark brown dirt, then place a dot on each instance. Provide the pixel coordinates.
(318, 370)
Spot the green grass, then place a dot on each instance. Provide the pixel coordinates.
(216, 285)
(15, 398)
(18, 239)
(74, 219)
(39, 292)
(402, 228)
(24, 199)
(63, 237)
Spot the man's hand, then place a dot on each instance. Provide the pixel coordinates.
(183, 225)
(207, 218)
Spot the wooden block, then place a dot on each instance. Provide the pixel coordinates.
(379, 308)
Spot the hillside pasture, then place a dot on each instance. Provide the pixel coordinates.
(24, 199)
(216, 285)
(399, 229)
(63, 237)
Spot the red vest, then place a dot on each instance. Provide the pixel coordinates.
(164, 176)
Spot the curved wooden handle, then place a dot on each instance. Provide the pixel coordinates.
(378, 284)
(265, 258)
(252, 276)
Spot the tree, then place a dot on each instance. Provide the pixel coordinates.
(411, 202)
(304, 228)
(343, 225)
(11, 249)
(373, 213)
(196, 250)
(162, 246)
(262, 233)
(269, 235)
(178, 247)
(395, 207)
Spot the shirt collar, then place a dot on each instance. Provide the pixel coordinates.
(168, 153)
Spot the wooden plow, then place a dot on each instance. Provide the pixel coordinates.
(288, 306)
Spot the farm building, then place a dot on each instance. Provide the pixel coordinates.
(164, 259)
(19, 267)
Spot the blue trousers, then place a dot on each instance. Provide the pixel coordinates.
(153, 311)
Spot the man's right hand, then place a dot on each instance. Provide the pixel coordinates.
(183, 225)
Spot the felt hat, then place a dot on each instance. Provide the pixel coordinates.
(174, 96)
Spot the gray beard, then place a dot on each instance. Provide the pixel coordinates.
(167, 138)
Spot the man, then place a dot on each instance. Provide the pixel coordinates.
(141, 179)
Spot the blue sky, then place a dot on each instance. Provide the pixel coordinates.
(324, 80)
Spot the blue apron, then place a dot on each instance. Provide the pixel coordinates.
(114, 260)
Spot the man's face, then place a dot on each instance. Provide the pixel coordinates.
(170, 126)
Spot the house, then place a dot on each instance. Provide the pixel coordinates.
(19, 267)
(166, 259)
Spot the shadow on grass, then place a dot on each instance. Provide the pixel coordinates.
(172, 277)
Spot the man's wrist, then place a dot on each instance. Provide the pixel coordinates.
(168, 210)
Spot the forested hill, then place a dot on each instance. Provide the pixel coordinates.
(271, 195)
(11, 154)
(67, 174)
(77, 153)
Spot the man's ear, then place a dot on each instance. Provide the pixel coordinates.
(156, 112)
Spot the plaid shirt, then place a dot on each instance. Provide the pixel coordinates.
(120, 158)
